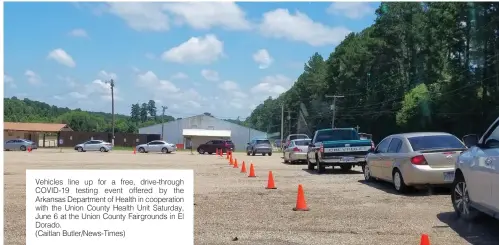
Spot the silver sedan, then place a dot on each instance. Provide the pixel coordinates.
(414, 159)
(157, 146)
(19, 144)
(296, 151)
(94, 145)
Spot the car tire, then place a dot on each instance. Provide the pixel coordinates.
(164, 150)
(79, 149)
(263, 154)
(347, 167)
(310, 166)
(248, 153)
(367, 173)
(22, 148)
(320, 169)
(102, 149)
(142, 150)
(463, 209)
(201, 151)
(270, 154)
(398, 181)
(253, 153)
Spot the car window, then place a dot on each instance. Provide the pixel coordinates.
(209, 143)
(302, 142)
(493, 140)
(298, 136)
(395, 145)
(383, 146)
(262, 142)
(435, 142)
(336, 134)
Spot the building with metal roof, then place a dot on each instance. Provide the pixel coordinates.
(196, 130)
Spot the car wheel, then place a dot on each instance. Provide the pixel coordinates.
(320, 168)
(102, 149)
(201, 151)
(263, 154)
(367, 172)
(164, 150)
(248, 153)
(461, 200)
(142, 150)
(210, 153)
(80, 149)
(253, 153)
(310, 166)
(270, 154)
(22, 148)
(346, 167)
(398, 182)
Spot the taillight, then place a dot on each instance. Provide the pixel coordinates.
(372, 145)
(296, 149)
(418, 160)
(321, 149)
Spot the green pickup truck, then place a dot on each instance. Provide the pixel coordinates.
(337, 147)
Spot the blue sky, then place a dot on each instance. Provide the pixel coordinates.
(222, 58)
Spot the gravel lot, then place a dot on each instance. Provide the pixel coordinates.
(343, 210)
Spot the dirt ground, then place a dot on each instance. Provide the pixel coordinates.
(228, 204)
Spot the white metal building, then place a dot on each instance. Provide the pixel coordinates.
(192, 131)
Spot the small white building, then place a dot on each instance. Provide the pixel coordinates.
(196, 130)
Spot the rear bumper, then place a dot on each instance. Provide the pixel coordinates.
(337, 161)
(426, 175)
(298, 156)
(263, 150)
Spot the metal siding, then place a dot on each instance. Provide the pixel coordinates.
(240, 135)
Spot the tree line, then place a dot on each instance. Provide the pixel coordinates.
(419, 67)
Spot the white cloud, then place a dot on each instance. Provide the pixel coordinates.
(33, 78)
(78, 33)
(228, 86)
(352, 10)
(210, 75)
(193, 104)
(9, 80)
(151, 81)
(77, 95)
(68, 81)
(106, 76)
(62, 57)
(280, 23)
(179, 75)
(203, 50)
(102, 89)
(206, 15)
(240, 95)
(57, 97)
(262, 57)
(271, 86)
(141, 16)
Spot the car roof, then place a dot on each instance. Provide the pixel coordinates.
(260, 139)
(418, 134)
(300, 139)
(327, 129)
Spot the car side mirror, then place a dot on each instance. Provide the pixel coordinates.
(470, 140)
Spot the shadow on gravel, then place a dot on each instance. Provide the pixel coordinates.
(331, 171)
(483, 231)
(388, 188)
(295, 163)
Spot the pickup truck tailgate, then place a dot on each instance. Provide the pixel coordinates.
(346, 148)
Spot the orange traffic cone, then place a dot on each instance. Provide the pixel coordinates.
(243, 168)
(301, 204)
(227, 155)
(231, 161)
(425, 240)
(29, 148)
(270, 183)
(252, 171)
(135, 150)
(235, 164)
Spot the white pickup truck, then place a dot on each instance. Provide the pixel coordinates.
(475, 189)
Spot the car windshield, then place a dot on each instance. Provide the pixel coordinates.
(435, 142)
(337, 134)
(262, 142)
(302, 142)
(298, 136)
(229, 142)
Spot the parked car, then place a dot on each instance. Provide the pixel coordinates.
(157, 146)
(475, 188)
(278, 143)
(19, 144)
(414, 160)
(259, 146)
(212, 146)
(337, 147)
(293, 137)
(94, 145)
(297, 151)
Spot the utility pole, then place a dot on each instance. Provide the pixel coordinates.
(289, 122)
(111, 84)
(163, 122)
(282, 123)
(333, 106)
(358, 128)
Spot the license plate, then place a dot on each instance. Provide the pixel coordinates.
(347, 159)
(448, 176)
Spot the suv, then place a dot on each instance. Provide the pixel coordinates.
(212, 146)
(475, 188)
(262, 146)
